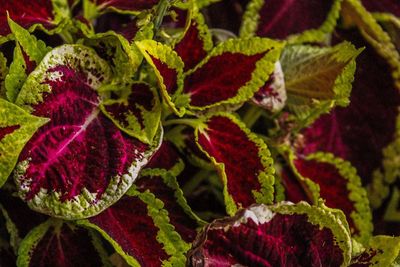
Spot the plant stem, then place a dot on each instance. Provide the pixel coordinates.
(161, 10)
(194, 123)
(251, 116)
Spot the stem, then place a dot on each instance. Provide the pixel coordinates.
(67, 37)
(251, 116)
(193, 183)
(161, 10)
(194, 123)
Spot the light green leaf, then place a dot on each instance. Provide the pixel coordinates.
(16, 128)
(34, 48)
(317, 79)
(16, 75)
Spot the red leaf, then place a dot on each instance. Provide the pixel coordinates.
(261, 237)
(26, 13)
(55, 243)
(191, 48)
(242, 159)
(213, 82)
(383, 6)
(128, 224)
(281, 18)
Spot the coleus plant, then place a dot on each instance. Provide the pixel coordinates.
(138, 133)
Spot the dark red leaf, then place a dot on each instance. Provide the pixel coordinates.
(55, 243)
(333, 186)
(169, 75)
(26, 13)
(261, 237)
(128, 224)
(242, 160)
(295, 190)
(8, 130)
(213, 82)
(191, 48)
(359, 132)
(383, 6)
(281, 18)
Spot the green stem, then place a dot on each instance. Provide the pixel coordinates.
(193, 183)
(161, 10)
(194, 123)
(67, 37)
(251, 116)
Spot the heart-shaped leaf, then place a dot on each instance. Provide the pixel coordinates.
(80, 163)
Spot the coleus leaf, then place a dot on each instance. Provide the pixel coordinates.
(168, 67)
(365, 132)
(209, 84)
(35, 49)
(250, 61)
(57, 243)
(28, 52)
(241, 158)
(165, 188)
(47, 15)
(279, 235)
(16, 128)
(295, 190)
(381, 251)
(80, 163)
(195, 43)
(316, 79)
(140, 231)
(17, 74)
(309, 20)
(337, 182)
(137, 112)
